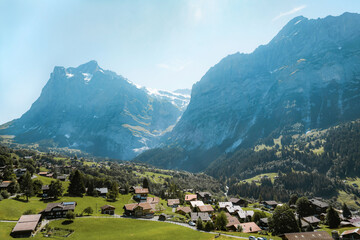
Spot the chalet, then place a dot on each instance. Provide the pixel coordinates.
(28, 157)
(43, 174)
(223, 205)
(250, 227)
(45, 191)
(132, 189)
(238, 201)
(107, 209)
(204, 196)
(312, 220)
(270, 204)
(233, 222)
(183, 210)
(190, 197)
(58, 210)
(205, 208)
(138, 210)
(264, 223)
(141, 194)
(203, 216)
(19, 172)
(61, 178)
(321, 235)
(4, 185)
(351, 234)
(195, 204)
(245, 215)
(50, 175)
(102, 191)
(233, 209)
(26, 225)
(318, 206)
(173, 203)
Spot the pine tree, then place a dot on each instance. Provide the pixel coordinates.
(146, 184)
(332, 218)
(77, 186)
(346, 211)
(114, 192)
(26, 185)
(55, 189)
(199, 224)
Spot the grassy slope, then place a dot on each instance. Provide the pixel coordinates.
(258, 177)
(5, 230)
(11, 209)
(250, 234)
(114, 228)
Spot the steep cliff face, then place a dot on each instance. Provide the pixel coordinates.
(307, 77)
(99, 112)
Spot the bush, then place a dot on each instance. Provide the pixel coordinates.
(199, 224)
(5, 194)
(209, 226)
(70, 215)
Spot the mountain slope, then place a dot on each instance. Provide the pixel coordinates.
(97, 111)
(307, 77)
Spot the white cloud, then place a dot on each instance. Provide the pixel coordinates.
(292, 11)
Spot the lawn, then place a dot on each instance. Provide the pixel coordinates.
(11, 209)
(154, 177)
(116, 228)
(258, 177)
(251, 234)
(5, 229)
(348, 199)
(340, 230)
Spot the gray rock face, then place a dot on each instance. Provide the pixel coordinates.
(99, 112)
(307, 77)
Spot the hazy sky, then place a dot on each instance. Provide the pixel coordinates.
(159, 44)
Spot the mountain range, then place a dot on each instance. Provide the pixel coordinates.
(306, 77)
(99, 112)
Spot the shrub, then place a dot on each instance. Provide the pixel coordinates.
(29, 212)
(5, 194)
(70, 215)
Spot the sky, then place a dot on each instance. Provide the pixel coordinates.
(162, 44)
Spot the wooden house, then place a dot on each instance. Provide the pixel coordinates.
(107, 209)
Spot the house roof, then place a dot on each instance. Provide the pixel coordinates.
(311, 219)
(107, 207)
(45, 187)
(27, 223)
(196, 203)
(232, 209)
(270, 203)
(43, 173)
(225, 204)
(145, 205)
(243, 214)
(102, 190)
(141, 190)
(203, 216)
(184, 209)
(321, 235)
(5, 184)
(353, 231)
(234, 200)
(249, 227)
(232, 221)
(204, 194)
(319, 203)
(206, 208)
(171, 202)
(130, 206)
(63, 205)
(190, 197)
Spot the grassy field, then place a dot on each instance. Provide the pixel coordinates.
(5, 230)
(251, 234)
(154, 177)
(115, 228)
(340, 230)
(11, 209)
(258, 177)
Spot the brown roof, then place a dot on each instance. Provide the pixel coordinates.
(43, 173)
(107, 207)
(234, 200)
(141, 190)
(206, 208)
(5, 184)
(184, 209)
(356, 231)
(50, 206)
(145, 205)
(190, 197)
(152, 200)
(232, 221)
(322, 235)
(130, 206)
(27, 223)
(250, 227)
(311, 219)
(173, 202)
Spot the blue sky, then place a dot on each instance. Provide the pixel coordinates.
(158, 44)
